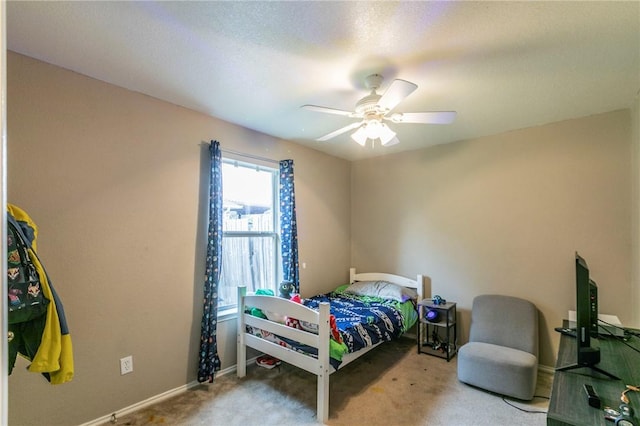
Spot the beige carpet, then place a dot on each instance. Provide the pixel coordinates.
(391, 385)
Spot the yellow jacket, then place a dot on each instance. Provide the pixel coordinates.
(54, 357)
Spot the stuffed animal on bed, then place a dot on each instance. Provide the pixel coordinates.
(286, 289)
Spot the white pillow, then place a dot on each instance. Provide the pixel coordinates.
(382, 289)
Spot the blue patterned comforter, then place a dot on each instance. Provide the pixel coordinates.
(361, 321)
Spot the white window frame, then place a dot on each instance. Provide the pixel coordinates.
(228, 312)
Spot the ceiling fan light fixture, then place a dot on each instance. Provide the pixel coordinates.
(372, 128)
(385, 134)
(360, 136)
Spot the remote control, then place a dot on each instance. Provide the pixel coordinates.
(592, 396)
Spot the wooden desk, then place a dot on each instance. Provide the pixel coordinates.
(568, 404)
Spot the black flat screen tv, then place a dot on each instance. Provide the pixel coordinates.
(586, 314)
(586, 320)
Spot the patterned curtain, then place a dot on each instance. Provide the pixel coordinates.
(209, 361)
(288, 225)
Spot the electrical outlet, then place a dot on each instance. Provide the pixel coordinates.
(126, 365)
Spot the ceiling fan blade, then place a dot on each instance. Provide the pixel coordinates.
(339, 131)
(435, 117)
(397, 91)
(393, 141)
(327, 110)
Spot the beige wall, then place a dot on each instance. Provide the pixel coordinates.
(505, 214)
(116, 182)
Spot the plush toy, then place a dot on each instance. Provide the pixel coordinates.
(286, 289)
(292, 322)
(334, 329)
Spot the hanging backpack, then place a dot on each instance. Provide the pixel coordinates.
(24, 291)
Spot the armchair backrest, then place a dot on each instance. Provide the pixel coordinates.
(506, 321)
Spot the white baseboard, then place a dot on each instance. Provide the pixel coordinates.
(109, 418)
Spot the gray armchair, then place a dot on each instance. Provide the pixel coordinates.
(502, 353)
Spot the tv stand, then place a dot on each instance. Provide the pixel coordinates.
(568, 403)
(593, 367)
(588, 357)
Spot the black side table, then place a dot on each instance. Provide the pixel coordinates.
(437, 332)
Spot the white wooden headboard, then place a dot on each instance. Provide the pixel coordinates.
(417, 284)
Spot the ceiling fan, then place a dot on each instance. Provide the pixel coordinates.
(374, 109)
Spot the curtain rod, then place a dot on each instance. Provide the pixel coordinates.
(254, 157)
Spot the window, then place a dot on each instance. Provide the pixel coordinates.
(250, 242)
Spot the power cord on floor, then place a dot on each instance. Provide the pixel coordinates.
(525, 410)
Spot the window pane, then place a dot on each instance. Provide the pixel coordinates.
(250, 246)
(247, 198)
(248, 261)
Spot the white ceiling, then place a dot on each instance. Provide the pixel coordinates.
(500, 65)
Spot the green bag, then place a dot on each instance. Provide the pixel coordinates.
(24, 291)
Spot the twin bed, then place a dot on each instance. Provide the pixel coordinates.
(326, 332)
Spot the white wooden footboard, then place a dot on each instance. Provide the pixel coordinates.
(320, 366)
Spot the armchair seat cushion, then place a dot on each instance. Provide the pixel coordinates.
(498, 369)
